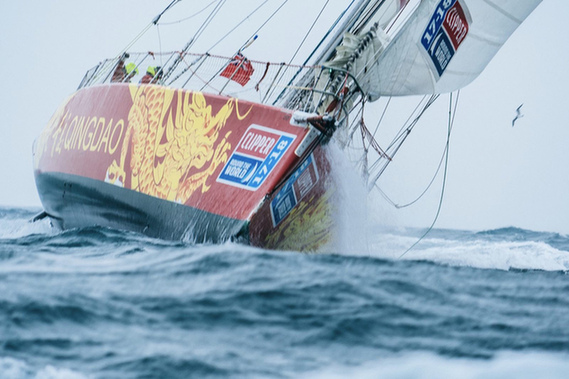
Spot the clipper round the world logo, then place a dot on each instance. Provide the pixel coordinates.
(258, 152)
(445, 32)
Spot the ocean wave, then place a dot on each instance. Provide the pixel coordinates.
(137, 305)
(19, 227)
(470, 249)
(425, 365)
(501, 249)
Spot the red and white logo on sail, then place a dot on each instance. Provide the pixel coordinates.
(456, 25)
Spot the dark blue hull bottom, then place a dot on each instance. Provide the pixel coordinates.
(74, 202)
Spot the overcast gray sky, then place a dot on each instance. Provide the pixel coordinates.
(498, 175)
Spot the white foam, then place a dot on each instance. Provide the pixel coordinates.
(501, 255)
(17, 228)
(426, 365)
(11, 368)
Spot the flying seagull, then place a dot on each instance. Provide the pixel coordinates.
(518, 115)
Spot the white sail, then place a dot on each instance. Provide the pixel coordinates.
(349, 54)
(444, 46)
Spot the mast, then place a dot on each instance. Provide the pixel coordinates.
(328, 52)
(358, 47)
(348, 23)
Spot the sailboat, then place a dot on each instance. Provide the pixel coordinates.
(210, 148)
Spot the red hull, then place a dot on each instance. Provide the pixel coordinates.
(224, 159)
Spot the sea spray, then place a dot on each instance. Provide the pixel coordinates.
(366, 226)
(351, 204)
(361, 217)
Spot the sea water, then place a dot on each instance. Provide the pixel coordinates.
(100, 303)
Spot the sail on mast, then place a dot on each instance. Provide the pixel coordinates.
(444, 46)
(352, 48)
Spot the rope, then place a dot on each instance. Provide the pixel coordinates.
(324, 38)
(366, 134)
(450, 124)
(198, 33)
(249, 41)
(405, 130)
(153, 22)
(206, 23)
(189, 17)
(398, 206)
(242, 21)
(382, 116)
(309, 31)
(263, 77)
(157, 18)
(402, 136)
(159, 45)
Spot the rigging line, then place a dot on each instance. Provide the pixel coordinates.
(438, 168)
(189, 17)
(206, 23)
(139, 36)
(159, 44)
(253, 37)
(309, 31)
(322, 40)
(142, 32)
(304, 40)
(400, 140)
(366, 16)
(338, 19)
(394, 21)
(153, 22)
(372, 141)
(382, 193)
(405, 129)
(261, 27)
(360, 114)
(270, 17)
(240, 23)
(198, 33)
(249, 42)
(157, 18)
(450, 124)
(381, 119)
(407, 124)
(398, 206)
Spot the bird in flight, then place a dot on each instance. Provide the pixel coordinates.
(518, 115)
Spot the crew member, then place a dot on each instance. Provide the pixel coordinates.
(152, 76)
(124, 73)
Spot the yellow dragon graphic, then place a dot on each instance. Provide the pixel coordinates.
(173, 139)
